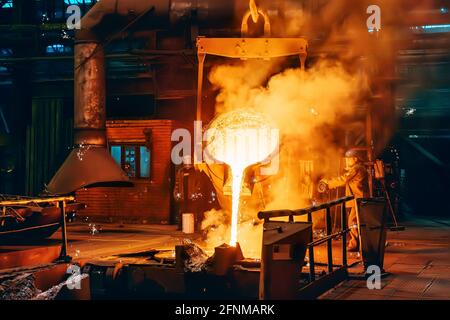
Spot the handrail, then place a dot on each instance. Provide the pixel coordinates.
(305, 211)
(36, 200)
(61, 203)
(327, 238)
(267, 215)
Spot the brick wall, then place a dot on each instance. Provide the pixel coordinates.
(149, 201)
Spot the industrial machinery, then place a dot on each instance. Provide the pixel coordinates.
(372, 221)
(187, 272)
(283, 254)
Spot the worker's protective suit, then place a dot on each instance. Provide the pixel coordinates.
(193, 193)
(356, 183)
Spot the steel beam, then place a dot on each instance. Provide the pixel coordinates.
(253, 48)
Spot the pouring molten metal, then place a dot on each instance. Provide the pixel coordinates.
(240, 139)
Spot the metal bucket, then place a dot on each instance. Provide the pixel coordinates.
(188, 222)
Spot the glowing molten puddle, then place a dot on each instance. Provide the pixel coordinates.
(240, 139)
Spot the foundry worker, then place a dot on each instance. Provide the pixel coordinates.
(193, 193)
(356, 183)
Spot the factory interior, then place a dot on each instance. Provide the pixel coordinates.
(254, 150)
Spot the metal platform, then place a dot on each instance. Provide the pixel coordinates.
(418, 265)
(417, 259)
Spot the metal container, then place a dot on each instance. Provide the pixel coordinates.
(188, 223)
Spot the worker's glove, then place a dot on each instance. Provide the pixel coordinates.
(323, 186)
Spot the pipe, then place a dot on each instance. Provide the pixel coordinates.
(89, 164)
(108, 15)
(90, 95)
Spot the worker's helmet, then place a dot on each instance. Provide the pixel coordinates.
(352, 153)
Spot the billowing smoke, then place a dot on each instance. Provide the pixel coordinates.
(320, 111)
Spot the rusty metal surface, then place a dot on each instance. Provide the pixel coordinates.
(21, 222)
(283, 255)
(90, 162)
(90, 96)
(225, 257)
(154, 14)
(20, 256)
(121, 9)
(85, 167)
(207, 11)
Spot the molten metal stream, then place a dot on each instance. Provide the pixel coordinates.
(238, 175)
(240, 138)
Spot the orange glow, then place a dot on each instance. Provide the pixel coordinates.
(299, 103)
(240, 139)
(238, 174)
(316, 110)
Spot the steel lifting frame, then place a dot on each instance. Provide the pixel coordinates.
(245, 48)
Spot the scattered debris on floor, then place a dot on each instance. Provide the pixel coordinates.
(197, 258)
(21, 285)
(18, 287)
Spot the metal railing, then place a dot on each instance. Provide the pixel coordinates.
(61, 202)
(342, 269)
